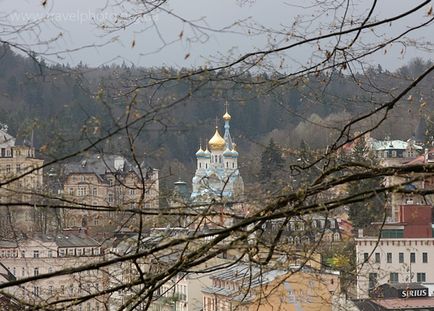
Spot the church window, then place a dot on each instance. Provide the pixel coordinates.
(200, 165)
(206, 165)
(227, 164)
(233, 165)
(220, 159)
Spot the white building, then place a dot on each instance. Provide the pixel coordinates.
(30, 257)
(393, 260)
(217, 174)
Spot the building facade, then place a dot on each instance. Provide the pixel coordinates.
(98, 182)
(21, 172)
(45, 254)
(247, 288)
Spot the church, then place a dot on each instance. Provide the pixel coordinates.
(217, 176)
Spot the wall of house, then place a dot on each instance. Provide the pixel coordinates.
(382, 257)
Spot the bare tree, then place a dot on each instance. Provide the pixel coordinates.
(125, 249)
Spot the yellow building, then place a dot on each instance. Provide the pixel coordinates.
(247, 288)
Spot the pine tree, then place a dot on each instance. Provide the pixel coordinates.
(362, 214)
(272, 163)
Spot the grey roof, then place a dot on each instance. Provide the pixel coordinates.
(6, 140)
(99, 164)
(75, 241)
(8, 244)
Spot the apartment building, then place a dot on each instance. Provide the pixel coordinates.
(98, 182)
(245, 287)
(22, 173)
(404, 253)
(44, 254)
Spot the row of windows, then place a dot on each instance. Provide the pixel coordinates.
(37, 291)
(394, 277)
(83, 191)
(206, 165)
(401, 257)
(8, 153)
(95, 251)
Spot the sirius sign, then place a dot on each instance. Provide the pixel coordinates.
(414, 293)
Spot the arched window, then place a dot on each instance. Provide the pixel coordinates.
(200, 165)
(233, 165)
(227, 164)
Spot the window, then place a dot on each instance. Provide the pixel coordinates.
(394, 153)
(36, 254)
(50, 270)
(365, 257)
(81, 191)
(36, 290)
(50, 253)
(23, 272)
(61, 253)
(23, 254)
(18, 166)
(372, 280)
(394, 277)
(389, 258)
(401, 257)
(50, 290)
(421, 277)
(71, 191)
(95, 191)
(425, 257)
(412, 257)
(377, 257)
(8, 168)
(110, 198)
(36, 271)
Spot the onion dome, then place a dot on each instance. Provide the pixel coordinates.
(206, 153)
(235, 153)
(200, 152)
(216, 142)
(227, 116)
(228, 153)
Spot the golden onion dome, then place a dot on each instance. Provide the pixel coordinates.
(227, 116)
(216, 142)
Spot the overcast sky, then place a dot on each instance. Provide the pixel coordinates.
(77, 23)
